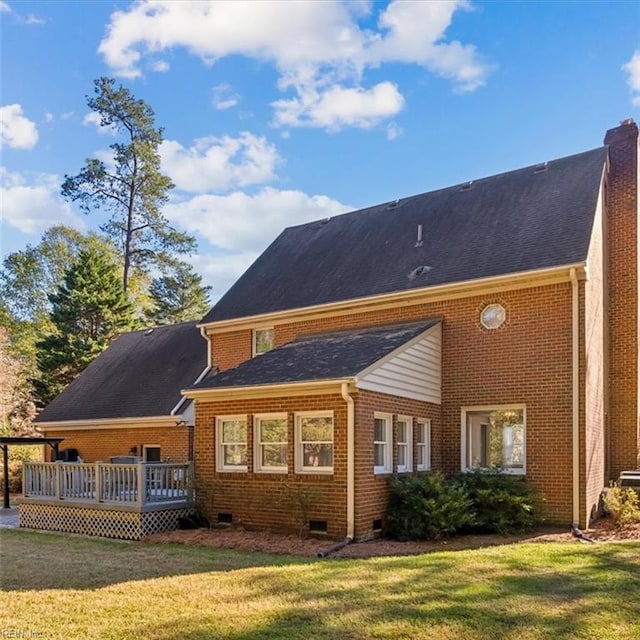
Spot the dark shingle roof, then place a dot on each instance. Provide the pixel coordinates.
(140, 374)
(326, 356)
(516, 221)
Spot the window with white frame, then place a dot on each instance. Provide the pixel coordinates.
(270, 438)
(382, 432)
(231, 447)
(314, 442)
(404, 443)
(423, 444)
(262, 340)
(494, 438)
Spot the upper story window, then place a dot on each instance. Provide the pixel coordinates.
(262, 340)
(314, 442)
(404, 443)
(231, 443)
(423, 443)
(382, 458)
(494, 438)
(270, 437)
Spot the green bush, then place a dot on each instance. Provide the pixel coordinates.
(501, 503)
(425, 507)
(623, 504)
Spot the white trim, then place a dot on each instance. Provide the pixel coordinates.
(351, 461)
(254, 353)
(313, 387)
(575, 389)
(408, 421)
(149, 446)
(387, 467)
(492, 407)
(198, 379)
(298, 456)
(108, 423)
(462, 289)
(220, 464)
(425, 425)
(257, 444)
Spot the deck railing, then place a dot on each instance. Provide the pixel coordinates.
(137, 484)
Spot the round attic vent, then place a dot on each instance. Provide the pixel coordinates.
(493, 316)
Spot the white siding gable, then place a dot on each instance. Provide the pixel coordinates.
(412, 371)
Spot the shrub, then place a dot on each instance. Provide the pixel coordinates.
(501, 503)
(623, 504)
(425, 507)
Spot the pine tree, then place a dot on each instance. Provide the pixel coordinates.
(89, 309)
(133, 190)
(178, 295)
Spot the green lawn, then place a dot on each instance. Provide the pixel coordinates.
(73, 587)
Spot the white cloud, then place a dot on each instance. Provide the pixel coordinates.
(31, 19)
(34, 205)
(319, 48)
(4, 7)
(223, 96)
(160, 66)
(48, 117)
(245, 223)
(633, 69)
(16, 131)
(214, 164)
(337, 107)
(94, 119)
(220, 271)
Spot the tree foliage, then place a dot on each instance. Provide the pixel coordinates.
(89, 309)
(133, 189)
(178, 295)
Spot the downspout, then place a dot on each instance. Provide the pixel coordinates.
(203, 333)
(351, 466)
(575, 365)
(351, 475)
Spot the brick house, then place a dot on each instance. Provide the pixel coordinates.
(492, 323)
(489, 324)
(127, 402)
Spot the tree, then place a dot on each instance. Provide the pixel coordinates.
(29, 276)
(134, 189)
(178, 295)
(89, 309)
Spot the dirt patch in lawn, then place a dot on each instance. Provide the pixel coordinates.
(243, 540)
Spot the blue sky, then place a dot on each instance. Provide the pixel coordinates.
(276, 113)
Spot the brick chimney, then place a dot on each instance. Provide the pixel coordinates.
(623, 241)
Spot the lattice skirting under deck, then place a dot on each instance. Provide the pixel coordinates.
(125, 525)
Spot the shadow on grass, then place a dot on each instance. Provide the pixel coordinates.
(42, 560)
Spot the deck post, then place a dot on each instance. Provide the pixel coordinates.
(98, 483)
(5, 466)
(58, 481)
(142, 484)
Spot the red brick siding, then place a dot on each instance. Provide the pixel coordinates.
(526, 361)
(101, 444)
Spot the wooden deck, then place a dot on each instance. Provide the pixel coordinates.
(112, 500)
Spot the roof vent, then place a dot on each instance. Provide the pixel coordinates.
(467, 186)
(148, 332)
(394, 204)
(421, 270)
(419, 240)
(325, 221)
(541, 167)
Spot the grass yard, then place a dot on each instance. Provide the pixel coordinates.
(70, 587)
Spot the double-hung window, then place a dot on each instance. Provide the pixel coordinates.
(314, 442)
(270, 438)
(382, 432)
(423, 444)
(404, 442)
(263, 341)
(494, 438)
(231, 443)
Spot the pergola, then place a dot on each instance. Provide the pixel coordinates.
(5, 441)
